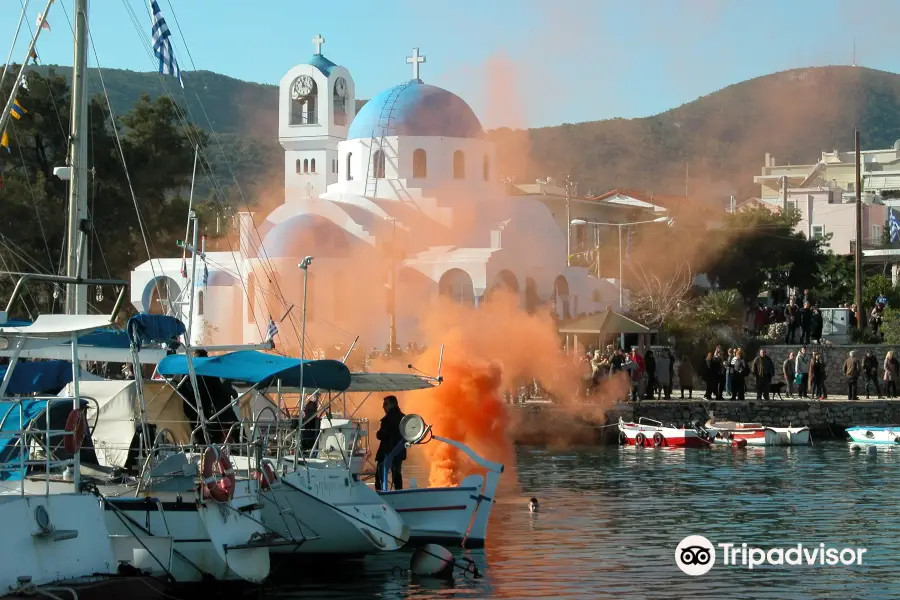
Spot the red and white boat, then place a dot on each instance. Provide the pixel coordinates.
(649, 433)
(757, 434)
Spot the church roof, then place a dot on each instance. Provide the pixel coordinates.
(414, 108)
(322, 64)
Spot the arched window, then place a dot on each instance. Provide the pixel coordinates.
(334, 165)
(306, 165)
(378, 164)
(299, 166)
(487, 168)
(200, 303)
(349, 163)
(312, 165)
(304, 97)
(420, 164)
(459, 165)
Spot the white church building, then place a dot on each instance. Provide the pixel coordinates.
(404, 192)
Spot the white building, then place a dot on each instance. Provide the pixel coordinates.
(407, 186)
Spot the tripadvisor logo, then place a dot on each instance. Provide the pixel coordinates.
(695, 555)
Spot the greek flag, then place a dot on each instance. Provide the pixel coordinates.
(205, 275)
(895, 226)
(273, 330)
(162, 46)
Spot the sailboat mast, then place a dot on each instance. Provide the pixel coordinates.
(76, 261)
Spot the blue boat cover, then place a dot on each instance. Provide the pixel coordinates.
(146, 328)
(12, 420)
(255, 367)
(38, 377)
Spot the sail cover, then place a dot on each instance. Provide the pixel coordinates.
(37, 377)
(147, 329)
(253, 367)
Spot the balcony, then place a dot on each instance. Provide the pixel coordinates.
(877, 251)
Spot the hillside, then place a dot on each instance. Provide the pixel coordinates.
(720, 138)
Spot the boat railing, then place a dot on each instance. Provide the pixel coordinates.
(25, 437)
(648, 421)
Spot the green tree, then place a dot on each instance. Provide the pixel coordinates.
(837, 280)
(158, 151)
(759, 250)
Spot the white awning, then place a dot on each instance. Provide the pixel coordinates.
(59, 325)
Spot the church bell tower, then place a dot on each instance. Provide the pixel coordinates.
(316, 103)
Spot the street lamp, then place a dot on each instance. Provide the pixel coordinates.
(668, 220)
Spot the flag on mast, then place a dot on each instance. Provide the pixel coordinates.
(272, 331)
(4, 141)
(34, 56)
(895, 226)
(44, 25)
(162, 45)
(17, 110)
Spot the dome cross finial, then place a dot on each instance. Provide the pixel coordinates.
(415, 60)
(317, 42)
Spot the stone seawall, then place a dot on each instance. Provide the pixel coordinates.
(548, 424)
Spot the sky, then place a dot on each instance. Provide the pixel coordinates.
(518, 63)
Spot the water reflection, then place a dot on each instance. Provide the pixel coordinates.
(611, 517)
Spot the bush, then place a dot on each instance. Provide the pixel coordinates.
(890, 328)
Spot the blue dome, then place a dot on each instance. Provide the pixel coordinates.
(419, 109)
(322, 64)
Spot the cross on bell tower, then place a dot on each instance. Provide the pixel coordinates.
(317, 42)
(415, 60)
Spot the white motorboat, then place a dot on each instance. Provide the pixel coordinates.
(875, 434)
(757, 434)
(651, 433)
(54, 531)
(452, 514)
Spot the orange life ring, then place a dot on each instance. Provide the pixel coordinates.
(75, 425)
(266, 477)
(218, 475)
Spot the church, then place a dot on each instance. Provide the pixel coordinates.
(397, 203)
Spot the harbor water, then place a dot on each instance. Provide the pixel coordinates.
(611, 519)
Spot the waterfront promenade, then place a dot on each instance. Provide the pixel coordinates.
(543, 422)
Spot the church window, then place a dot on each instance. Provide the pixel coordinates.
(334, 165)
(378, 164)
(349, 163)
(420, 164)
(299, 166)
(306, 165)
(339, 100)
(487, 169)
(459, 165)
(312, 165)
(200, 303)
(304, 97)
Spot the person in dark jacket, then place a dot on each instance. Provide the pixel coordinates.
(686, 376)
(310, 423)
(763, 370)
(870, 373)
(805, 324)
(816, 325)
(389, 435)
(215, 395)
(709, 376)
(791, 314)
(650, 366)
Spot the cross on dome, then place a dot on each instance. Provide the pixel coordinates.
(318, 41)
(415, 60)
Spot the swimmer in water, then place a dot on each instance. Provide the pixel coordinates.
(533, 505)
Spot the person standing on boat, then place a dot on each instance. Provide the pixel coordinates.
(852, 370)
(787, 370)
(310, 424)
(390, 437)
(802, 366)
(870, 371)
(764, 371)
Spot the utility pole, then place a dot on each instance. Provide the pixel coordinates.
(568, 226)
(76, 265)
(392, 291)
(860, 322)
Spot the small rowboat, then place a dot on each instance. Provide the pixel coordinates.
(757, 434)
(648, 433)
(875, 434)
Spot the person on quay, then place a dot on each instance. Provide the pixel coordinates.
(791, 318)
(390, 437)
(891, 374)
(787, 370)
(719, 371)
(686, 376)
(709, 376)
(817, 375)
(805, 324)
(739, 376)
(763, 370)
(728, 367)
(664, 383)
(870, 373)
(852, 371)
(802, 366)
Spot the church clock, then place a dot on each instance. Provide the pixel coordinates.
(302, 86)
(340, 88)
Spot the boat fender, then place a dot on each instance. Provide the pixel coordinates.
(639, 440)
(218, 474)
(738, 443)
(265, 477)
(623, 439)
(432, 560)
(658, 440)
(75, 425)
(897, 440)
(871, 451)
